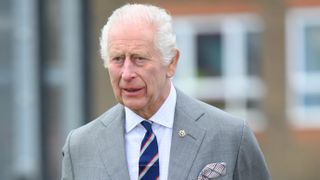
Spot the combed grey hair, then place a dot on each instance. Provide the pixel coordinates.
(165, 38)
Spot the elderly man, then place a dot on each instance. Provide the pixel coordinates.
(156, 131)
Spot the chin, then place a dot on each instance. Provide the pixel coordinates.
(133, 105)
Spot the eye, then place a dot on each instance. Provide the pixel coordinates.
(139, 60)
(117, 59)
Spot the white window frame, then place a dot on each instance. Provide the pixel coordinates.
(300, 116)
(233, 28)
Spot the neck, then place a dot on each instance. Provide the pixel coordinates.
(152, 109)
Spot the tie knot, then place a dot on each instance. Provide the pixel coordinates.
(147, 125)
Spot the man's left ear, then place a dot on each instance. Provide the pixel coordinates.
(173, 64)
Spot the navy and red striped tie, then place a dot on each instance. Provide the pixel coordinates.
(149, 156)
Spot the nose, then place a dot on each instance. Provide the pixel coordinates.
(128, 72)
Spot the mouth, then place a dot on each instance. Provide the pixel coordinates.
(132, 91)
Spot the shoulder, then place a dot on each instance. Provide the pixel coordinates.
(221, 127)
(91, 129)
(217, 118)
(207, 116)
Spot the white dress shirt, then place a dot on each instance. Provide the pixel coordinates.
(162, 127)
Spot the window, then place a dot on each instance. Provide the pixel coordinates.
(209, 59)
(303, 39)
(253, 49)
(220, 56)
(312, 48)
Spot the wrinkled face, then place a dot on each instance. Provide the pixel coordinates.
(139, 79)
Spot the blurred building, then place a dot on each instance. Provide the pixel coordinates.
(42, 84)
(240, 56)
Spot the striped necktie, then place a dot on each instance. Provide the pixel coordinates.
(149, 157)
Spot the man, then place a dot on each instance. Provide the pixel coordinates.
(156, 132)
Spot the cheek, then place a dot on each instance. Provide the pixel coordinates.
(156, 79)
(114, 78)
(151, 76)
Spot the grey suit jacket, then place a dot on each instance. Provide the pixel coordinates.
(96, 151)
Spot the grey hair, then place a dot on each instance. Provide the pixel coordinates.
(165, 38)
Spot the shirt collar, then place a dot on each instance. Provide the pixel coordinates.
(164, 116)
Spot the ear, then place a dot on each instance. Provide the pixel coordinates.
(173, 64)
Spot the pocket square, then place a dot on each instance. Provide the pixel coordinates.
(213, 170)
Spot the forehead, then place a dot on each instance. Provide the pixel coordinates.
(131, 37)
(131, 31)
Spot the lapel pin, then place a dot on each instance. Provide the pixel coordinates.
(182, 133)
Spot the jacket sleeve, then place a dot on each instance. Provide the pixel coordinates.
(250, 164)
(67, 169)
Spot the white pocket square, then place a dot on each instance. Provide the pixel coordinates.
(213, 170)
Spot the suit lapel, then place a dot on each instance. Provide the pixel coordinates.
(184, 149)
(112, 144)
